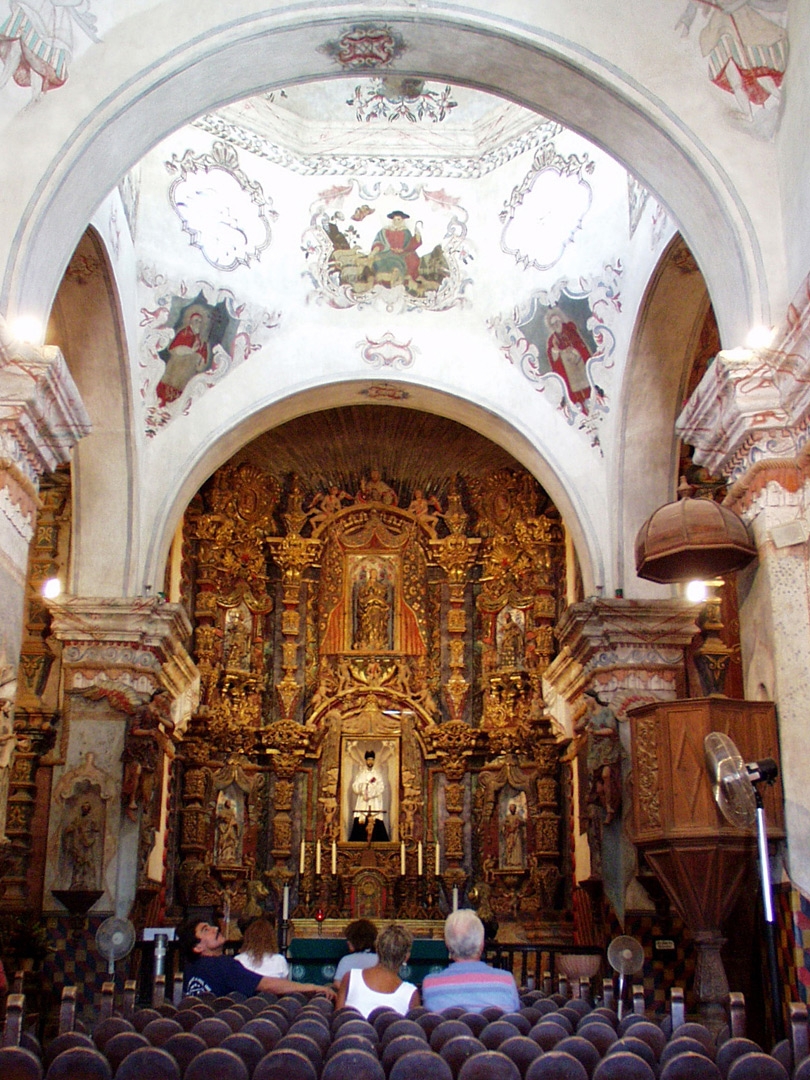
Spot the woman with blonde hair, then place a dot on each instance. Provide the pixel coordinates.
(260, 950)
(368, 988)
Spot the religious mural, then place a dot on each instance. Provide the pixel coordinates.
(561, 339)
(189, 341)
(37, 41)
(363, 246)
(745, 45)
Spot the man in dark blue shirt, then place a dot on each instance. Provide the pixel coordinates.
(206, 969)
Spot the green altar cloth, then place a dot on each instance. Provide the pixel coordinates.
(315, 959)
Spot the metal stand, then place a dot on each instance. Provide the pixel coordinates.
(770, 928)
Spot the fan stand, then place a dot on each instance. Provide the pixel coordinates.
(757, 778)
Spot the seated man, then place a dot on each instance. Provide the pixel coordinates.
(468, 982)
(206, 969)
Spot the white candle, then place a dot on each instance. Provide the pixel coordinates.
(455, 898)
(318, 858)
(438, 864)
(302, 858)
(402, 858)
(334, 857)
(285, 904)
(419, 859)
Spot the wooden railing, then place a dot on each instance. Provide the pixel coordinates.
(535, 965)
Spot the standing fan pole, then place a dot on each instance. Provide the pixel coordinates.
(770, 928)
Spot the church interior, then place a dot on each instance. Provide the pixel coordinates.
(347, 356)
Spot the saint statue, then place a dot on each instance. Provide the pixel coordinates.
(513, 830)
(81, 843)
(372, 613)
(510, 653)
(368, 822)
(603, 756)
(227, 833)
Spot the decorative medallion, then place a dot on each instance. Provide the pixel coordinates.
(387, 353)
(394, 98)
(385, 391)
(368, 45)
(544, 212)
(225, 214)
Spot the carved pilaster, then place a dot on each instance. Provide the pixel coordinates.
(749, 421)
(41, 419)
(287, 743)
(453, 743)
(627, 653)
(130, 687)
(294, 555)
(455, 554)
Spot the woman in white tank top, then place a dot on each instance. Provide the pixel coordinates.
(367, 988)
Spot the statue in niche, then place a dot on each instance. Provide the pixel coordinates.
(513, 834)
(237, 640)
(82, 839)
(421, 505)
(372, 611)
(227, 832)
(375, 489)
(368, 819)
(510, 644)
(603, 755)
(8, 740)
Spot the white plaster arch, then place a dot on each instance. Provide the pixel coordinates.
(188, 475)
(659, 360)
(122, 99)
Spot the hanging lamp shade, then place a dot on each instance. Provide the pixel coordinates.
(692, 539)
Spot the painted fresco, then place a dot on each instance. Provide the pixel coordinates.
(546, 210)
(394, 98)
(407, 247)
(190, 341)
(37, 41)
(365, 46)
(561, 339)
(224, 212)
(745, 44)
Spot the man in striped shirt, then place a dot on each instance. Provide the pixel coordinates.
(468, 981)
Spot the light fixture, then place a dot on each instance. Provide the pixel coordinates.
(692, 538)
(28, 329)
(696, 592)
(52, 588)
(759, 337)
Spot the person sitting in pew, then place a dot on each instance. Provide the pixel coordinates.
(207, 969)
(468, 981)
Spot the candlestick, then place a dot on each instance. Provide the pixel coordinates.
(302, 858)
(285, 904)
(402, 858)
(419, 859)
(455, 898)
(318, 858)
(438, 861)
(334, 858)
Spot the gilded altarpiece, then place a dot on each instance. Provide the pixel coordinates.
(372, 731)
